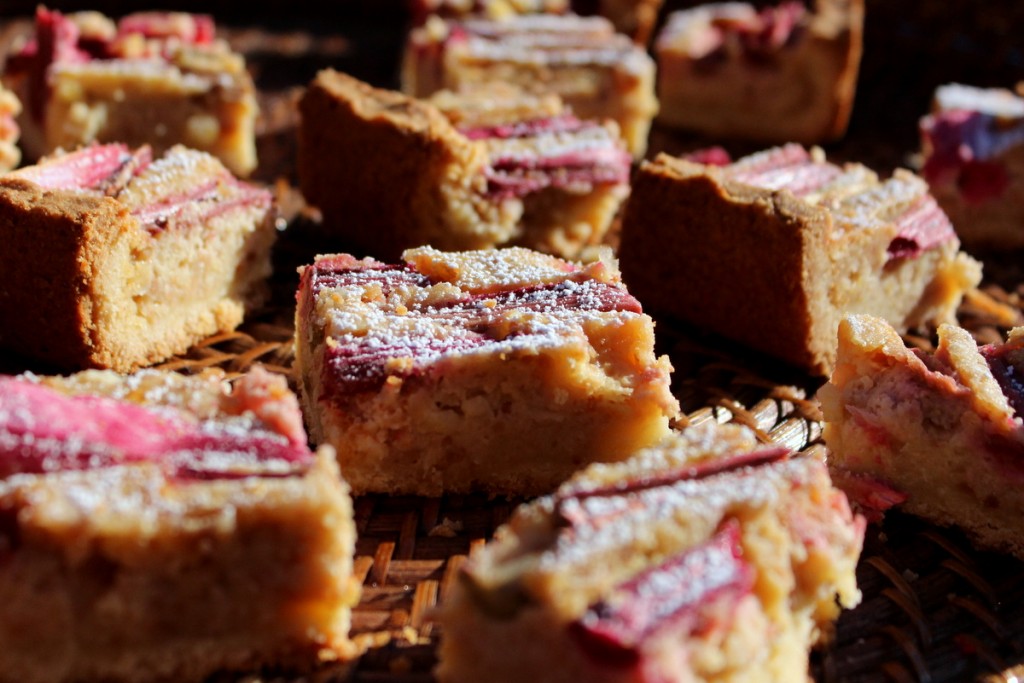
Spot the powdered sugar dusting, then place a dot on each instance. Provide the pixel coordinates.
(386, 321)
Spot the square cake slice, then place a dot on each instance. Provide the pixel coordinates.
(776, 74)
(973, 147)
(705, 558)
(940, 434)
(500, 370)
(601, 74)
(776, 248)
(157, 527)
(491, 166)
(156, 78)
(115, 259)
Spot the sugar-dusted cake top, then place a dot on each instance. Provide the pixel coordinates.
(733, 28)
(191, 427)
(534, 141)
(537, 39)
(621, 549)
(182, 187)
(854, 195)
(411, 318)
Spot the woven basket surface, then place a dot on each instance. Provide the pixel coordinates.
(934, 608)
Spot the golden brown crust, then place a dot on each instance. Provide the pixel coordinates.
(47, 297)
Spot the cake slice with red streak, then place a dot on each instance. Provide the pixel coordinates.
(973, 147)
(116, 259)
(157, 78)
(601, 74)
(705, 558)
(776, 74)
(776, 248)
(939, 435)
(500, 370)
(490, 166)
(159, 527)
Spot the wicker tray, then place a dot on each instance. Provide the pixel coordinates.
(934, 609)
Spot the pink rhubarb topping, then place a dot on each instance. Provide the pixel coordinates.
(59, 40)
(100, 168)
(563, 152)
(42, 430)
(473, 323)
(686, 593)
(108, 169)
(961, 145)
(921, 226)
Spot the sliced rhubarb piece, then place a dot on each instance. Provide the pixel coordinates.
(922, 226)
(872, 496)
(42, 430)
(676, 594)
(600, 506)
(90, 168)
(194, 29)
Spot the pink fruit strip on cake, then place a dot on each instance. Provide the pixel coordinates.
(705, 558)
(776, 74)
(973, 147)
(599, 73)
(160, 527)
(774, 249)
(496, 370)
(939, 435)
(142, 256)
(157, 78)
(488, 166)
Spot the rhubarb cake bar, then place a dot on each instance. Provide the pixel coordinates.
(601, 74)
(706, 558)
(499, 370)
(488, 167)
(10, 107)
(973, 147)
(776, 248)
(157, 527)
(157, 78)
(116, 259)
(939, 435)
(776, 74)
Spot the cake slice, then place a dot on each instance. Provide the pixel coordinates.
(776, 248)
(491, 166)
(973, 147)
(940, 435)
(10, 107)
(499, 370)
(156, 78)
(776, 74)
(158, 527)
(115, 259)
(600, 74)
(706, 558)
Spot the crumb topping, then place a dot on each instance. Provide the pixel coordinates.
(386, 321)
